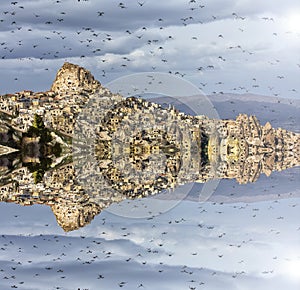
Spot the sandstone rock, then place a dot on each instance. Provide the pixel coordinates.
(72, 79)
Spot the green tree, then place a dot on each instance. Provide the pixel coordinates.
(38, 129)
(38, 122)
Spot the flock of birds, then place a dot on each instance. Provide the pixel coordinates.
(27, 261)
(148, 253)
(115, 47)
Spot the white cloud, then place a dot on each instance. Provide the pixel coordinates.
(170, 250)
(252, 48)
(239, 50)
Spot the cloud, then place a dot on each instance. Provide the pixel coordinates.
(168, 251)
(178, 37)
(226, 46)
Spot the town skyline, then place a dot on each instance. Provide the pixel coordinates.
(192, 148)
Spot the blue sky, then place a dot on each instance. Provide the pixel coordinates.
(230, 46)
(255, 246)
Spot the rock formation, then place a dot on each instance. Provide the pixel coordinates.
(123, 148)
(74, 80)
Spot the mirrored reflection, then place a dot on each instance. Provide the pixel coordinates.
(79, 148)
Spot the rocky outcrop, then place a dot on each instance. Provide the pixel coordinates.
(72, 215)
(73, 79)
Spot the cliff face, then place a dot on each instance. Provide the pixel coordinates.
(139, 148)
(74, 215)
(73, 79)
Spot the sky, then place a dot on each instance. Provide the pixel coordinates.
(248, 47)
(231, 46)
(256, 246)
